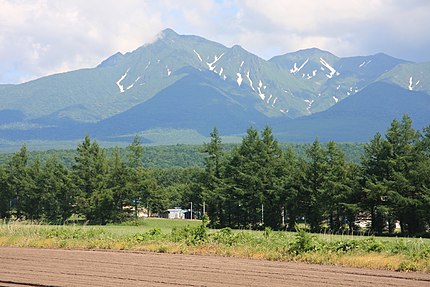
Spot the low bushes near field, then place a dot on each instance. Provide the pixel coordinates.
(403, 254)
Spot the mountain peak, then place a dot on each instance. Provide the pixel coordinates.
(168, 33)
(112, 60)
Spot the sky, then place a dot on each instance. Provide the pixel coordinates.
(43, 37)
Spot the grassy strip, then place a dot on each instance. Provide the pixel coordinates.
(401, 254)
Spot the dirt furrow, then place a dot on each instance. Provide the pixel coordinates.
(49, 267)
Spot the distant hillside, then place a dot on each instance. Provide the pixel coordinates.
(176, 89)
(360, 116)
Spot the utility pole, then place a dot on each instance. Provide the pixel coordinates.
(262, 214)
(283, 216)
(191, 215)
(204, 208)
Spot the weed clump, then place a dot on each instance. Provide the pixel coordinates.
(304, 242)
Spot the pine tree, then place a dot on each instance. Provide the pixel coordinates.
(95, 200)
(19, 183)
(336, 186)
(403, 157)
(57, 192)
(312, 196)
(375, 171)
(273, 176)
(5, 195)
(213, 180)
(135, 153)
(244, 187)
(293, 186)
(117, 182)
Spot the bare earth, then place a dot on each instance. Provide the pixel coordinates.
(48, 267)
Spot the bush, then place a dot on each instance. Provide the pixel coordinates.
(372, 245)
(151, 234)
(345, 245)
(74, 233)
(304, 242)
(190, 235)
(225, 236)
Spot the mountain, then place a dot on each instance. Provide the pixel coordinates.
(360, 116)
(332, 78)
(188, 83)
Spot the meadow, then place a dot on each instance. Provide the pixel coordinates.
(193, 237)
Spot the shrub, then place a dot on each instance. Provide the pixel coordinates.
(225, 236)
(304, 242)
(372, 245)
(345, 245)
(190, 235)
(151, 234)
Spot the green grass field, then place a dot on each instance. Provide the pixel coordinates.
(191, 237)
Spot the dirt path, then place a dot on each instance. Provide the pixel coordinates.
(47, 267)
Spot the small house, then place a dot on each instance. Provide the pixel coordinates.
(176, 213)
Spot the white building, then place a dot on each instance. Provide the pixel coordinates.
(176, 213)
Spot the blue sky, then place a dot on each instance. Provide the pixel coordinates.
(42, 37)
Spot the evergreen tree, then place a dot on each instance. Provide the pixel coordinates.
(312, 195)
(255, 175)
(31, 205)
(57, 191)
(142, 187)
(135, 153)
(117, 182)
(244, 186)
(375, 171)
(295, 169)
(273, 176)
(19, 183)
(336, 186)
(95, 200)
(5, 195)
(213, 180)
(403, 159)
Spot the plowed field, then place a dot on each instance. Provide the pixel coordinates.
(48, 267)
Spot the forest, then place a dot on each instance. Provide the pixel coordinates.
(252, 185)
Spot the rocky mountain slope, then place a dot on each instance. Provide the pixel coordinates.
(182, 82)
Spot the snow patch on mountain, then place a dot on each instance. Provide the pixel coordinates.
(411, 84)
(220, 71)
(250, 81)
(239, 79)
(335, 99)
(309, 102)
(330, 68)
(274, 101)
(216, 59)
(295, 70)
(241, 64)
(118, 83)
(198, 55)
(364, 63)
(270, 97)
(310, 76)
(260, 85)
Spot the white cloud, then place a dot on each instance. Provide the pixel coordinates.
(41, 37)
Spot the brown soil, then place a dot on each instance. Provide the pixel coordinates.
(48, 267)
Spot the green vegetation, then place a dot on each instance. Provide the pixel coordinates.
(177, 156)
(193, 237)
(253, 185)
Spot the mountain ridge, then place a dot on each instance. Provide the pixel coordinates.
(189, 82)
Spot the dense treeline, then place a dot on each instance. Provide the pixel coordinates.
(180, 155)
(254, 184)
